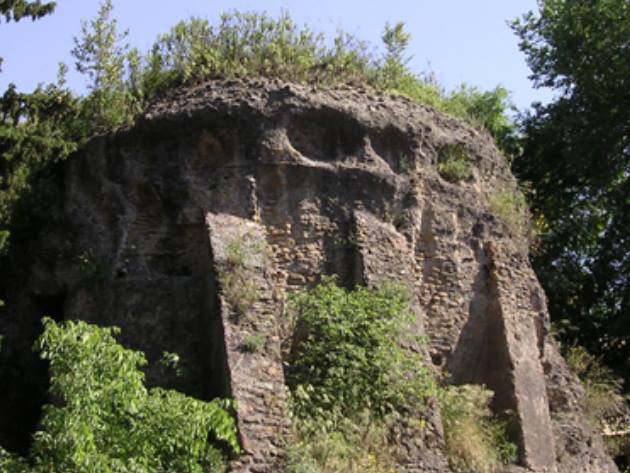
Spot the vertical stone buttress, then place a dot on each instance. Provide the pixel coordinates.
(247, 312)
(385, 256)
(523, 340)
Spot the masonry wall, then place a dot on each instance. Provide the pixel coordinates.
(301, 183)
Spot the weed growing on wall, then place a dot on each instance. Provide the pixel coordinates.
(357, 445)
(239, 289)
(475, 440)
(602, 388)
(254, 343)
(453, 163)
(511, 207)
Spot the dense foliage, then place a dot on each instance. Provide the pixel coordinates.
(254, 45)
(37, 130)
(354, 370)
(351, 358)
(357, 373)
(15, 10)
(577, 159)
(105, 420)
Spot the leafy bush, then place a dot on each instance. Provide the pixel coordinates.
(255, 45)
(352, 359)
(355, 369)
(453, 163)
(107, 421)
(475, 440)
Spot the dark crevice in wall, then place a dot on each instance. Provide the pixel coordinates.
(216, 374)
(342, 256)
(481, 354)
(24, 377)
(325, 135)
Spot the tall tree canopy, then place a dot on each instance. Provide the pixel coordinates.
(17, 9)
(577, 159)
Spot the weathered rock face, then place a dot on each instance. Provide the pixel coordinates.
(189, 231)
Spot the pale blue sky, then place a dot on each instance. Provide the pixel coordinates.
(459, 40)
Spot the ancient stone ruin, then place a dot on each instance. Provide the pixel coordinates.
(262, 187)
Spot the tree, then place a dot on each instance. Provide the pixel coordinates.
(396, 41)
(577, 159)
(36, 129)
(101, 54)
(15, 10)
(12, 112)
(108, 421)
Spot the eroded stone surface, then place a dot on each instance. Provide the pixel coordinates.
(319, 182)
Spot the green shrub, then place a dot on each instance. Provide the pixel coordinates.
(511, 207)
(107, 421)
(254, 343)
(475, 440)
(240, 291)
(251, 45)
(453, 163)
(254, 45)
(356, 368)
(352, 357)
(488, 110)
(603, 390)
